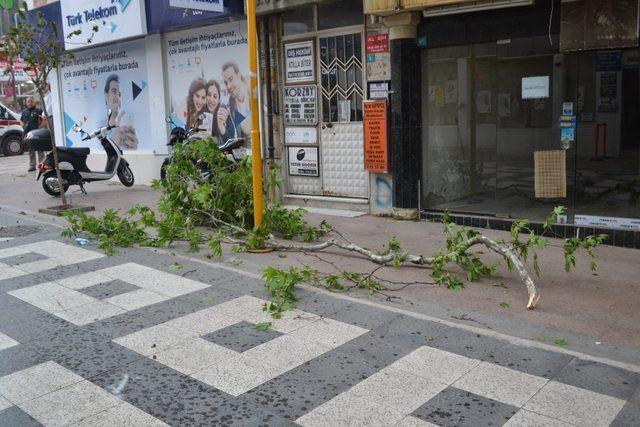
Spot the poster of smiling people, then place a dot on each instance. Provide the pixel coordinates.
(209, 80)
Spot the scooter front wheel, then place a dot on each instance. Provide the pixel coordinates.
(50, 183)
(126, 176)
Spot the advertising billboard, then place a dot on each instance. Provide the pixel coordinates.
(108, 78)
(208, 79)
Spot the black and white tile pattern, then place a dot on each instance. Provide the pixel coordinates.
(121, 341)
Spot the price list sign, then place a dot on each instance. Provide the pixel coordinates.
(376, 147)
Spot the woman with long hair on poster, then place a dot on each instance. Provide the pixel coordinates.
(221, 130)
(196, 101)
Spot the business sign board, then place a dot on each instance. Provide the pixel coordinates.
(303, 161)
(301, 135)
(301, 105)
(208, 5)
(208, 79)
(378, 57)
(114, 19)
(112, 78)
(299, 62)
(376, 146)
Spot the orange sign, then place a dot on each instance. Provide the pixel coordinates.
(376, 148)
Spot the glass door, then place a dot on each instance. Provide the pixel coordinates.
(534, 170)
(459, 128)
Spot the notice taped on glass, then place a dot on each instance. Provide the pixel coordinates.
(376, 152)
(301, 105)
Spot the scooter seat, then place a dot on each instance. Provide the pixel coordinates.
(75, 151)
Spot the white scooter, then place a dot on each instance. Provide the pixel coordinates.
(73, 161)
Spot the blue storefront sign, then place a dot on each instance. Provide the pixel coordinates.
(164, 15)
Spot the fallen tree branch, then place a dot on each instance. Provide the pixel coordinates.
(501, 249)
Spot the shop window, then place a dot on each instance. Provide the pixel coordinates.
(341, 13)
(298, 21)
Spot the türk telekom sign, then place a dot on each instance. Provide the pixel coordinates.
(114, 19)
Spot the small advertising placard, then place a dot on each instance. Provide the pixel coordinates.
(378, 57)
(301, 135)
(303, 161)
(299, 63)
(376, 150)
(301, 105)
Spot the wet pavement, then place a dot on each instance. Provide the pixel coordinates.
(129, 339)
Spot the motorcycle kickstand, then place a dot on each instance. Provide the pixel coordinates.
(82, 188)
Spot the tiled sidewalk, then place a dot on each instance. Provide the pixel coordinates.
(124, 340)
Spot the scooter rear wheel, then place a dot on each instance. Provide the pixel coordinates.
(126, 176)
(50, 184)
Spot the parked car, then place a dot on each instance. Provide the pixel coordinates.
(10, 132)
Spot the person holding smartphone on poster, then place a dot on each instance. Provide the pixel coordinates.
(124, 134)
(237, 114)
(224, 131)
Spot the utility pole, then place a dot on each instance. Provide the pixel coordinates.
(256, 154)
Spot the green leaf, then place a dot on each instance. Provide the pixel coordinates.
(175, 266)
(504, 305)
(263, 326)
(560, 341)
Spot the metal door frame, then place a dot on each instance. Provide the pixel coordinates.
(334, 32)
(315, 36)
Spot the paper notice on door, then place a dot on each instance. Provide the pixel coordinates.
(504, 105)
(483, 102)
(535, 87)
(451, 92)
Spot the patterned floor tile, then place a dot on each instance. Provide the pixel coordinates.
(16, 417)
(524, 418)
(575, 405)
(241, 336)
(245, 370)
(81, 300)
(123, 414)
(36, 381)
(458, 408)
(501, 384)
(109, 289)
(601, 378)
(7, 342)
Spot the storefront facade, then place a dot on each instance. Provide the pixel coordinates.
(518, 114)
(313, 102)
(142, 66)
